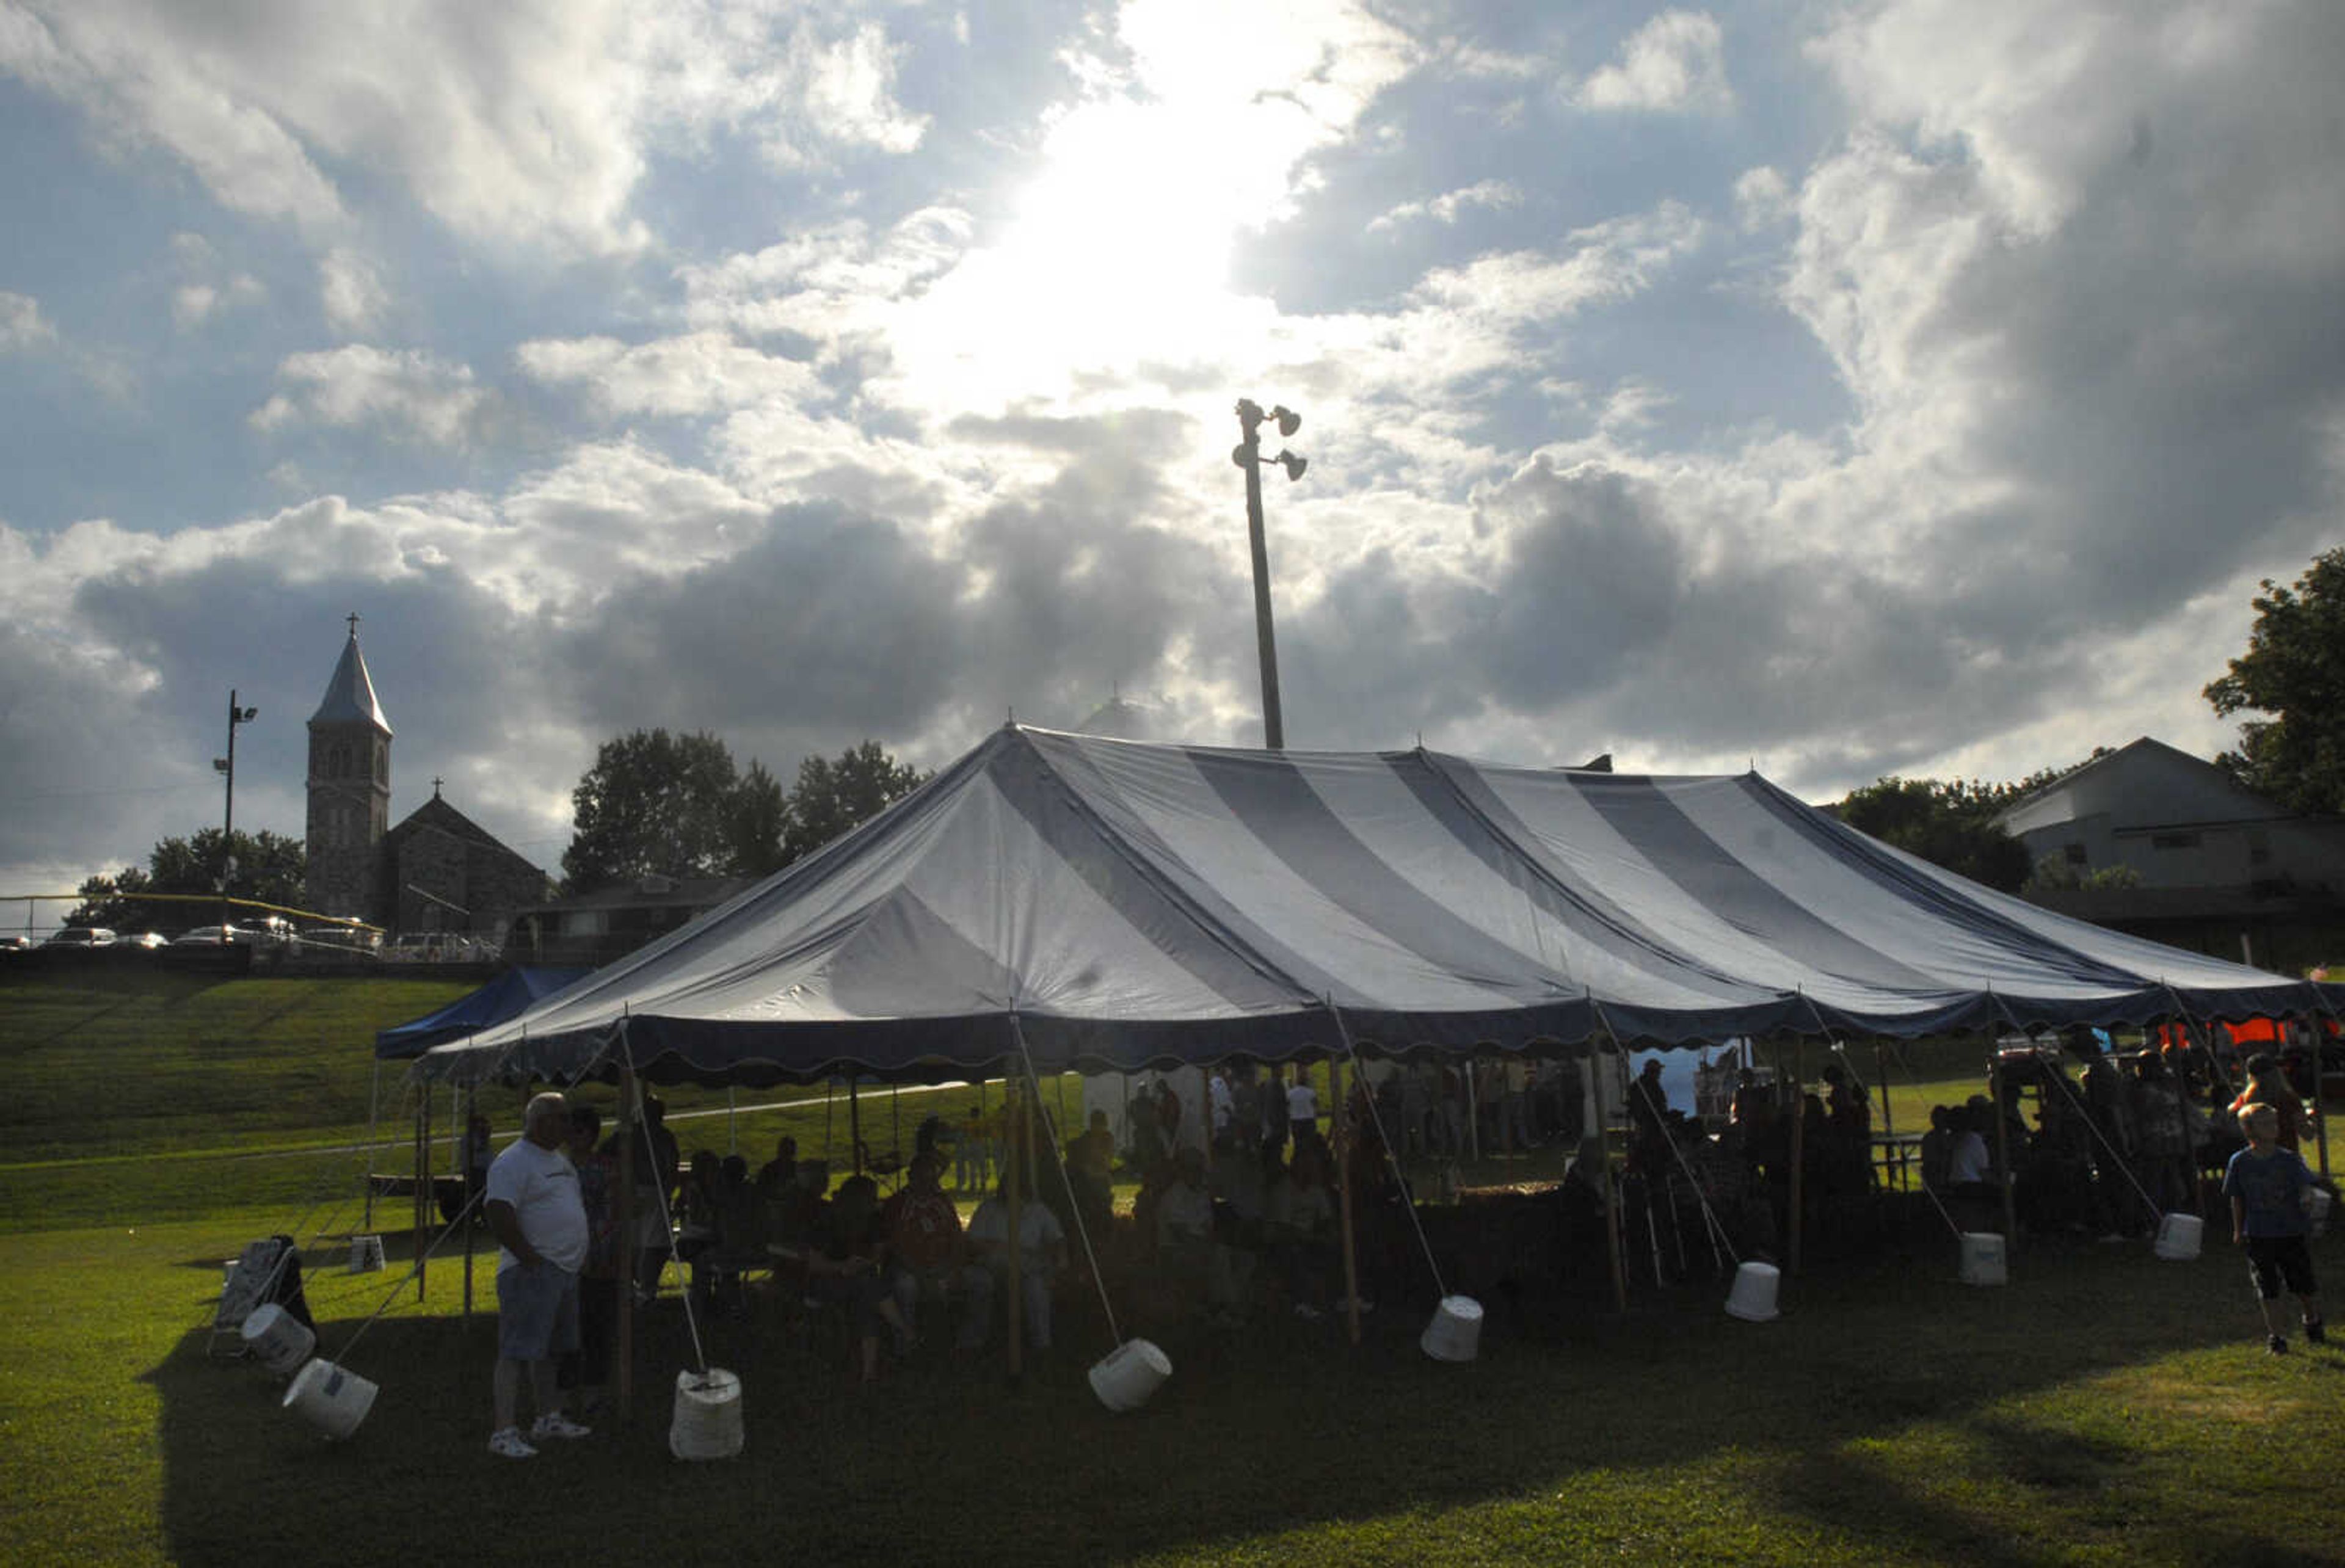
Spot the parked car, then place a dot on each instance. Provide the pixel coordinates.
(147, 940)
(81, 936)
(212, 936)
(16, 942)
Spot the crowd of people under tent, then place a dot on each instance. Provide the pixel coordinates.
(1246, 1221)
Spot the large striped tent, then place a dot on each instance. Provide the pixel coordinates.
(1114, 905)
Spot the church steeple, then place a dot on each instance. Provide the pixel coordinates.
(350, 790)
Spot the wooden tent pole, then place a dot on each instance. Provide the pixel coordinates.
(463, 1158)
(1014, 1129)
(1799, 1150)
(374, 1110)
(1603, 1136)
(2003, 1148)
(1342, 1123)
(624, 1329)
(424, 1192)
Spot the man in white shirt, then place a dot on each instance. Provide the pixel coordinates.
(1303, 1109)
(539, 1219)
(1041, 1254)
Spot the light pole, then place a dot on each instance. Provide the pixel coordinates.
(227, 764)
(1248, 456)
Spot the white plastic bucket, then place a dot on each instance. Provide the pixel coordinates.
(707, 1420)
(1454, 1334)
(366, 1255)
(1127, 1375)
(1983, 1258)
(281, 1341)
(2178, 1236)
(332, 1400)
(1752, 1298)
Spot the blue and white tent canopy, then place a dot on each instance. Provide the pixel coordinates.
(1120, 906)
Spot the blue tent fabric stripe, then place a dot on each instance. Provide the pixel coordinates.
(1130, 906)
(506, 996)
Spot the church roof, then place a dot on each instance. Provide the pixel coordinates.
(349, 694)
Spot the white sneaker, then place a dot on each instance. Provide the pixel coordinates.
(554, 1424)
(508, 1443)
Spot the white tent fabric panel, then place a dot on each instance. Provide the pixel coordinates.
(1118, 907)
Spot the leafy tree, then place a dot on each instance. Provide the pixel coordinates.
(757, 821)
(653, 804)
(270, 868)
(2055, 871)
(1951, 825)
(2294, 670)
(832, 797)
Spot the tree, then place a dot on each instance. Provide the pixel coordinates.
(270, 869)
(832, 797)
(757, 821)
(2294, 670)
(1948, 824)
(653, 804)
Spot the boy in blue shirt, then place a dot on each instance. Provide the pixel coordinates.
(2267, 1185)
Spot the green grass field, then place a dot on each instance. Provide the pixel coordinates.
(2103, 1407)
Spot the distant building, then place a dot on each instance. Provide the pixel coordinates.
(436, 870)
(594, 928)
(2213, 865)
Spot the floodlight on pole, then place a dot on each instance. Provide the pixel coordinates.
(236, 716)
(1248, 456)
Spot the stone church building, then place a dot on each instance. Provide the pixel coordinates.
(436, 870)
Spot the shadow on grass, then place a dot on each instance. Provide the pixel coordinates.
(1277, 1429)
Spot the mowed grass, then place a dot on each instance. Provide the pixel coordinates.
(2105, 1407)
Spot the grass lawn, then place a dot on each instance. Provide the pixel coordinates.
(2105, 1407)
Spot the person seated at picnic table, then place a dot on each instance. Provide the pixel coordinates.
(847, 1265)
(1184, 1231)
(1937, 1152)
(794, 1216)
(1042, 1255)
(1091, 1171)
(1235, 1186)
(924, 1239)
(777, 1175)
(1299, 1231)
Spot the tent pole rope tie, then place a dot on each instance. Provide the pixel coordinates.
(1392, 1157)
(2124, 1166)
(1841, 1051)
(667, 1223)
(463, 1215)
(1692, 1179)
(1083, 1231)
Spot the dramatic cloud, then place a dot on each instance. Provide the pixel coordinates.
(407, 393)
(1915, 386)
(1675, 61)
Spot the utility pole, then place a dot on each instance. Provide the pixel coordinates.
(1248, 456)
(227, 764)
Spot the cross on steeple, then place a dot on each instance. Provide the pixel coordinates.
(354, 624)
(436, 781)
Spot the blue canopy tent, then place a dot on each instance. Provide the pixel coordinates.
(506, 996)
(1108, 906)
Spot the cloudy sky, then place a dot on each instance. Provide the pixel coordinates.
(1919, 385)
